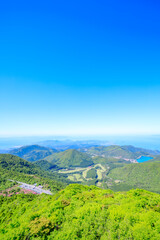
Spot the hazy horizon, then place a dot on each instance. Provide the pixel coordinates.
(144, 141)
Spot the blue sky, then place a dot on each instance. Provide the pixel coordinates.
(79, 67)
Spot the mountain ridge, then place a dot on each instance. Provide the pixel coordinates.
(32, 152)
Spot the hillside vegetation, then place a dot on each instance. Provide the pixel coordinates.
(142, 175)
(81, 212)
(15, 168)
(33, 152)
(155, 159)
(70, 158)
(45, 165)
(124, 152)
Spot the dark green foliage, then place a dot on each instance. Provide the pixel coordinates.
(81, 212)
(142, 175)
(70, 158)
(33, 152)
(14, 163)
(92, 173)
(45, 165)
(15, 168)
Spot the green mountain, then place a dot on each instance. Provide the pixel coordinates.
(142, 175)
(140, 150)
(45, 165)
(123, 152)
(14, 163)
(81, 212)
(33, 152)
(18, 169)
(70, 158)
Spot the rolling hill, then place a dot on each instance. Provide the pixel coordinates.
(142, 175)
(32, 152)
(140, 150)
(18, 169)
(70, 158)
(123, 152)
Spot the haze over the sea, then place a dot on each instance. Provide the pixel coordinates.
(143, 141)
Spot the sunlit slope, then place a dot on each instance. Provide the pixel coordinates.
(16, 168)
(70, 158)
(142, 175)
(124, 152)
(81, 212)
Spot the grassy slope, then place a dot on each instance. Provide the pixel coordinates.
(143, 175)
(81, 212)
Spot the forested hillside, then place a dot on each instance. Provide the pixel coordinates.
(81, 212)
(32, 152)
(45, 165)
(15, 168)
(143, 175)
(123, 152)
(70, 158)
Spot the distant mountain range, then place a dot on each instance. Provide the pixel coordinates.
(70, 144)
(105, 166)
(82, 156)
(123, 152)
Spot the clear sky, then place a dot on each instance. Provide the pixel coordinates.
(79, 67)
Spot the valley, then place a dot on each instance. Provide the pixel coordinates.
(92, 193)
(101, 166)
(84, 175)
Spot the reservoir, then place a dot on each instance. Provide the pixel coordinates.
(144, 159)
